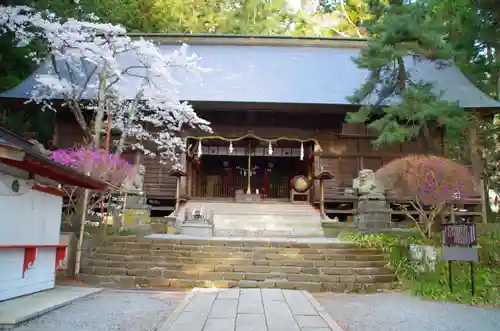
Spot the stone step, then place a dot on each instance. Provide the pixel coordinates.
(239, 242)
(126, 247)
(123, 261)
(124, 281)
(335, 275)
(331, 255)
(255, 205)
(230, 261)
(299, 233)
(332, 269)
(278, 222)
(267, 213)
(146, 254)
(315, 264)
(265, 230)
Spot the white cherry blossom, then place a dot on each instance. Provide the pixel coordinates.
(95, 66)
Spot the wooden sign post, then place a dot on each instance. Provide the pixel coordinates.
(459, 242)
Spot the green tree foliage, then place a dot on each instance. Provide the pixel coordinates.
(466, 32)
(399, 107)
(183, 16)
(349, 16)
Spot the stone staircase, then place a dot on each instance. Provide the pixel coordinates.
(180, 262)
(260, 219)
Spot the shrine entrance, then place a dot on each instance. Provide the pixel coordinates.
(220, 170)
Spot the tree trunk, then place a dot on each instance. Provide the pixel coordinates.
(429, 141)
(101, 107)
(401, 74)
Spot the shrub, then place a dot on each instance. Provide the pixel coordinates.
(433, 284)
(97, 162)
(429, 184)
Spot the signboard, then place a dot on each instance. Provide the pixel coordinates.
(459, 234)
(459, 254)
(456, 238)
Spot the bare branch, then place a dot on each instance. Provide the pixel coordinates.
(346, 15)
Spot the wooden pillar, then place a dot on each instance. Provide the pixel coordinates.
(178, 174)
(322, 176)
(183, 180)
(322, 198)
(249, 169)
(177, 195)
(189, 179)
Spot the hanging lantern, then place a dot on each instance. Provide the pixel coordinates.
(301, 151)
(230, 147)
(270, 149)
(199, 149)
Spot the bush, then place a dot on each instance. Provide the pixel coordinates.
(429, 183)
(99, 163)
(434, 284)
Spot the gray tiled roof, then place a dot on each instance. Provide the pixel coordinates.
(290, 74)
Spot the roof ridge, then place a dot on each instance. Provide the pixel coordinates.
(253, 40)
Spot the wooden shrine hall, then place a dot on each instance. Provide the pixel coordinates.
(277, 107)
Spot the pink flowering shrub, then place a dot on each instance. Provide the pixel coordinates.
(99, 163)
(430, 179)
(430, 183)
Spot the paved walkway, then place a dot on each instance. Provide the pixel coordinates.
(18, 310)
(250, 310)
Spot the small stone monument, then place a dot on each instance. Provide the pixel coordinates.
(372, 213)
(197, 223)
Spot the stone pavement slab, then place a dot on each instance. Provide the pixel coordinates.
(249, 310)
(18, 310)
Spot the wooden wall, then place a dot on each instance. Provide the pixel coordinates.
(346, 148)
(157, 182)
(345, 154)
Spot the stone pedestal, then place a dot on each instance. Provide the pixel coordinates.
(67, 266)
(197, 229)
(135, 217)
(373, 214)
(240, 196)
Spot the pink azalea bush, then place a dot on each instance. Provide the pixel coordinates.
(97, 162)
(430, 184)
(432, 180)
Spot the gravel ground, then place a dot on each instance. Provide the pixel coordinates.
(399, 312)
(109, 311)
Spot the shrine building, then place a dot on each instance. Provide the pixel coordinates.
(277, 107)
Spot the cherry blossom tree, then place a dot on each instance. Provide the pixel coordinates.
(95, 67)
(430, 184)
